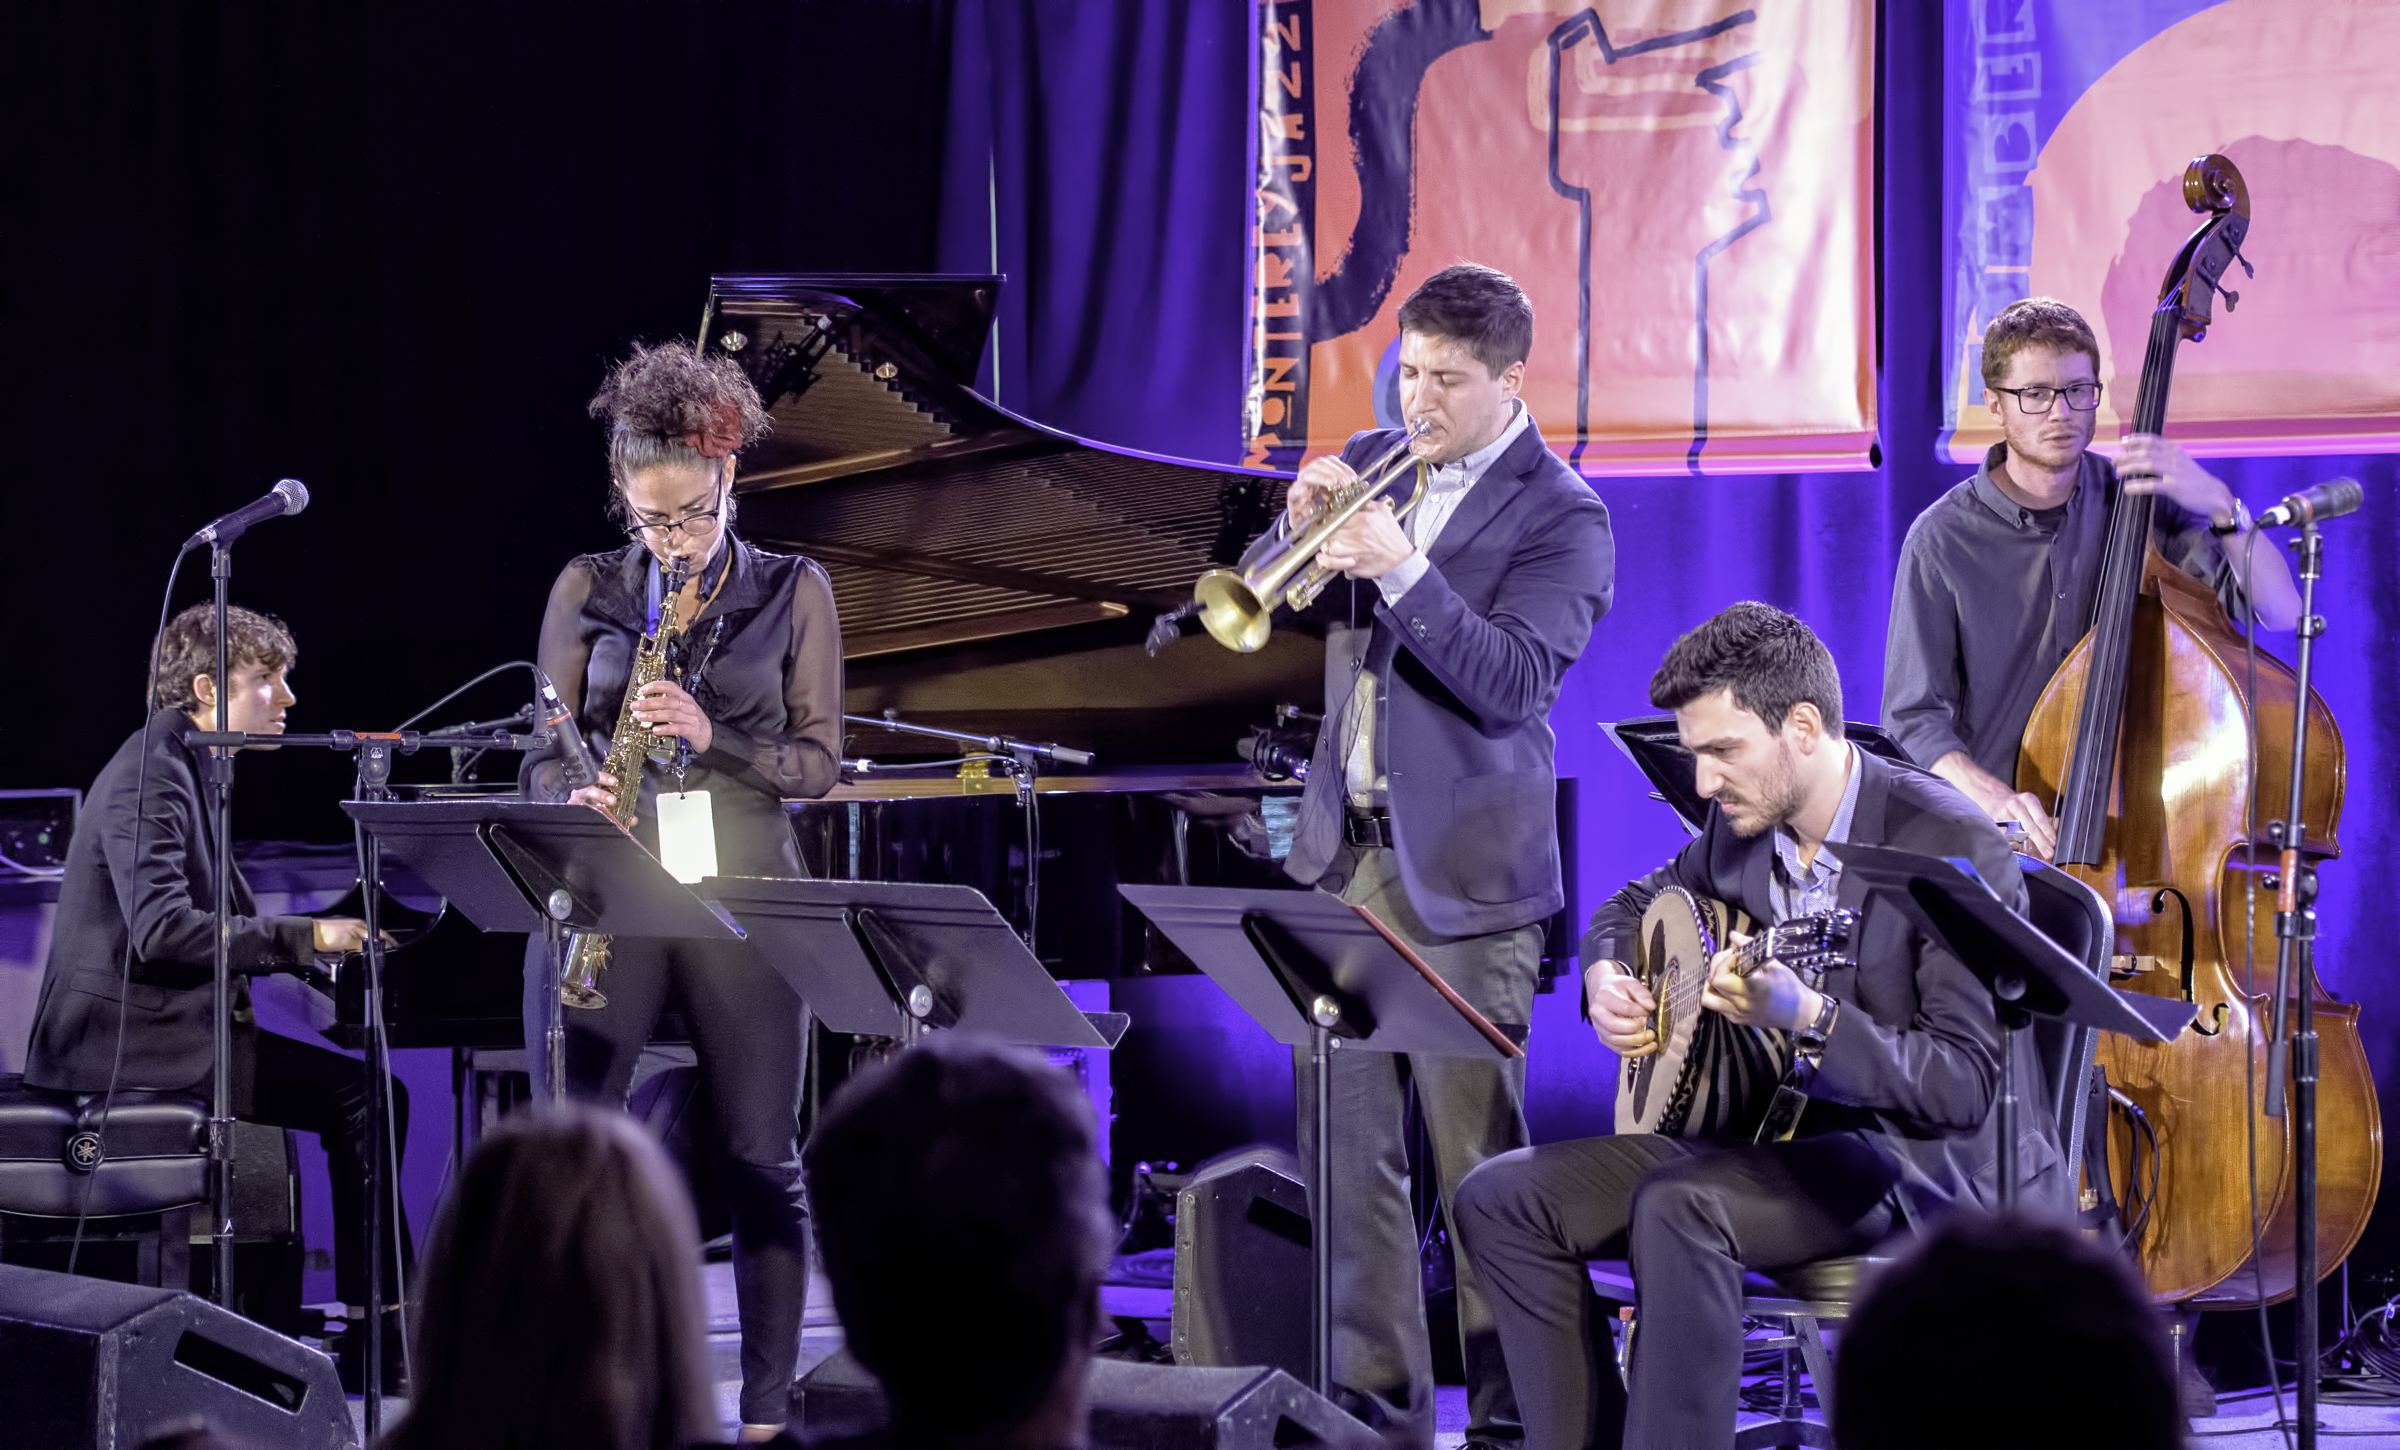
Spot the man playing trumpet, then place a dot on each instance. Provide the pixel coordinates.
(1431, 797)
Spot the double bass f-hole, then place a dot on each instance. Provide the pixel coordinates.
(2215, 1017)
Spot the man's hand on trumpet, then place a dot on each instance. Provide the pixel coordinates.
(1321, 476)
(1370, 545)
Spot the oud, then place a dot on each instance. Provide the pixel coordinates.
(1712, 1077)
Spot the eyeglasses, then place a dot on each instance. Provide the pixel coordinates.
(2082, 397)
(701, 525)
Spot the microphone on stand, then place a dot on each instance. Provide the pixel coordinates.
(287, 497)
(2315, 504)
(560, 722)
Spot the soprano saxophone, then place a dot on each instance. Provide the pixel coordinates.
(629, 746)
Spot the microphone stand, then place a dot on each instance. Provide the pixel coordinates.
(220, 792)
(375, 750)
(1024, 764)
(2295, 983)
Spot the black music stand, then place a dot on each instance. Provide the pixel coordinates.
(1318, 973)
(514, 865)
(2029, 974)
(882, 959)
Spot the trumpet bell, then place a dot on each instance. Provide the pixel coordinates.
(1231, 611)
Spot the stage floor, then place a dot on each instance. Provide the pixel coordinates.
(2243, 1422)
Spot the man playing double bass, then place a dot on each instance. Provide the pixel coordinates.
(1998, 579)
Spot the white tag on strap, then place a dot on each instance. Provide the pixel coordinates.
(687, 835)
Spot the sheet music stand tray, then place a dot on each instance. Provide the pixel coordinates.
(888, 959)
(2029, 974)
(1319, 973)
(514, 865)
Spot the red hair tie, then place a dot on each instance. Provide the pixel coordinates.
(719, 434)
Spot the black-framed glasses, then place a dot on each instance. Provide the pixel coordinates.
(2082, 397)
(701, 525)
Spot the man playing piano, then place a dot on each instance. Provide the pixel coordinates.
(1431, 798)
(136, 924)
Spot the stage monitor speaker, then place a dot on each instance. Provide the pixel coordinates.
(1242, 1265)
(1133, 1407)
(88, 1364)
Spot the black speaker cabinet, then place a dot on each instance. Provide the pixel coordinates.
(269, 1256)
(1134, 1407)
(86, 1364)
(1242, 1266)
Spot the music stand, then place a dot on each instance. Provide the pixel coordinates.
(2029, 974)
(514, 865)
(1318, 972)
(884, 959)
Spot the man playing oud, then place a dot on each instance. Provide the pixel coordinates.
(1899, 1056)
(1999, 578)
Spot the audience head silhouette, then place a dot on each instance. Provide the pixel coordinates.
(559, 1302)
(964, 1174)
(2006, 1332)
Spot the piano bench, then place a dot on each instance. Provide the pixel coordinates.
(138, 1190)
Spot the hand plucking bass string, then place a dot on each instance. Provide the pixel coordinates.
(678, 513)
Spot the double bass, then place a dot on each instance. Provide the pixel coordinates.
(2150, 743)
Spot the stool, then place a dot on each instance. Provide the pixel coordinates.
(139, 1184)
(1805, 1297)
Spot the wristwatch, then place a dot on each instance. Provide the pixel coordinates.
(1811, 1039)
(2238, 524)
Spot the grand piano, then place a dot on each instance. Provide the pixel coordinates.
(998, 578)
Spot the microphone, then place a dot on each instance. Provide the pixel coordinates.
(560, 722)
(287, 497)
(2315, 504)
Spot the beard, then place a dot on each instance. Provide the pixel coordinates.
(1767, 803)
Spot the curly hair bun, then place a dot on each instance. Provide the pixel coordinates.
(667, 404)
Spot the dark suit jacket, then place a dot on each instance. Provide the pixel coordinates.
(163, 899)
(1467, 665)
(1914, 1059)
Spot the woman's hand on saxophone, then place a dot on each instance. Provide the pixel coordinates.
(601, 796)
(666, 708)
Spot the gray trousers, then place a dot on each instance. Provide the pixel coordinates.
(1473, 1110)
(1691, 1217)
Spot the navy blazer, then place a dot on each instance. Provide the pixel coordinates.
(163, 898)
(1914, 1059)
(1467, 665)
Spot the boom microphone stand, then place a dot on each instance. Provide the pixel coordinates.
(1024, 764)
(220, 793)
(2295, 983)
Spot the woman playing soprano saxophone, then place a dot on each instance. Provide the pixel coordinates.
(753, 693)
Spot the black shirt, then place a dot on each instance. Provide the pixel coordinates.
(768, 654)
(1992, 597)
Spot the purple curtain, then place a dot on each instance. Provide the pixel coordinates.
(1104, 146)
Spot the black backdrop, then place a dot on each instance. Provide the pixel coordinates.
(388, 251)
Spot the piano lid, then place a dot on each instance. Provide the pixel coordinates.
(943, 518)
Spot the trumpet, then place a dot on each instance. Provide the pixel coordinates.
(1237, 605)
